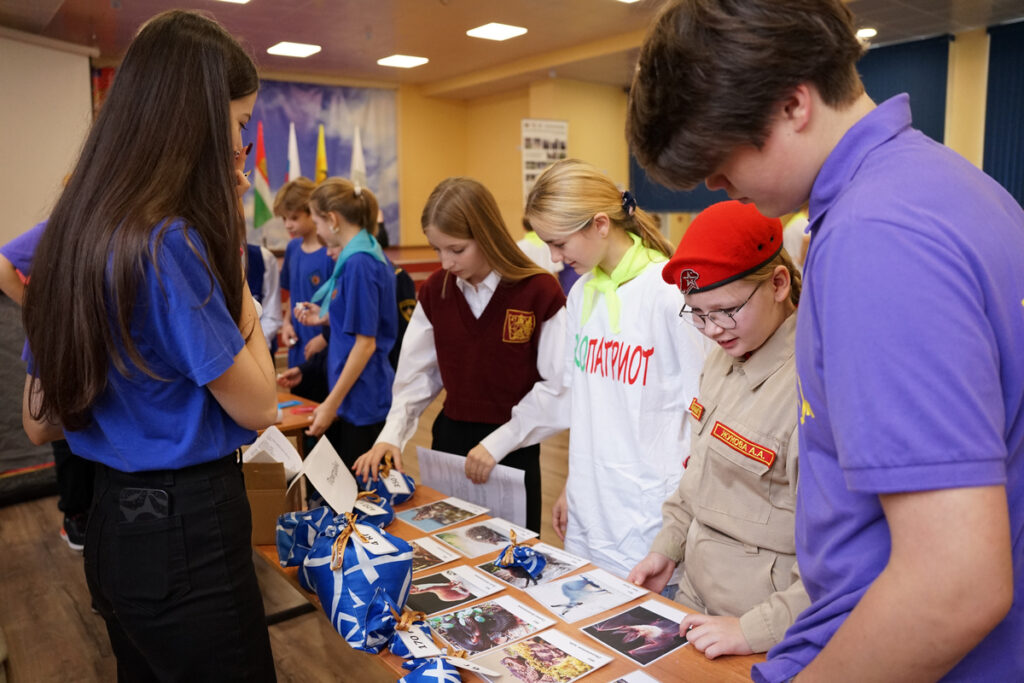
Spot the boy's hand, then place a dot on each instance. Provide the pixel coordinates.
(653, 572)
(291, 377)
(715, 636)
(479, 463)
(367, 464)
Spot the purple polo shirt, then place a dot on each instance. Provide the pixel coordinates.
(911, 370)
(22, 248)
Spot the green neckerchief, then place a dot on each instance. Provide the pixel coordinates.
(632, 264)
(362, 242)
(534, 238)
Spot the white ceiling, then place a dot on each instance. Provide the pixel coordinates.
(600, 36)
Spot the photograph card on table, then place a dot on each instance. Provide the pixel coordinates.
(488, 625)
(449, 588)
(427, 553)
(637, 676)
(584, 595)
(550, 656)
(643, 633)
(559, 563)
(485, 536)
(440, 513)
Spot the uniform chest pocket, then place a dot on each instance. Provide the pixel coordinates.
(735, 479)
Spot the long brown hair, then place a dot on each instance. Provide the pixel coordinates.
(161, 148)
(571, 192)
(339, 194)
(464, 209)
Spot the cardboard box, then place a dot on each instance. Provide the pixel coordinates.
(265, 487)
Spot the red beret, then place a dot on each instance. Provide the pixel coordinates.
(725, 242)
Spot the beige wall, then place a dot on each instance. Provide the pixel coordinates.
(46, 115)
(966, 93)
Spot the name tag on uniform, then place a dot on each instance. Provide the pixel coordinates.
(742, 445)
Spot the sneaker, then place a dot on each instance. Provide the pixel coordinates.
(73, 530)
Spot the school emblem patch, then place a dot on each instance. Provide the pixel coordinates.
(754, 451)
(688, 280)
(518, 326)
(406, 307)
(314, 278)
(696, 409)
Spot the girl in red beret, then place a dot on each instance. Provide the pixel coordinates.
(730, 523)
(632, 364)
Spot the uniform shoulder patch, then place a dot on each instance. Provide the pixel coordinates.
(696, 409)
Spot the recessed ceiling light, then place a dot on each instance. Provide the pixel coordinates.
(237, 2)
(495, 31)
(403, 61)
(286, 49)
(866, 33)
(629, 1)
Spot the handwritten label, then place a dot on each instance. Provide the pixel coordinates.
(375, 542)
(395, 482)
(368, 508)
(418, 644)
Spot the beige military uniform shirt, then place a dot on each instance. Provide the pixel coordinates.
(731, 519)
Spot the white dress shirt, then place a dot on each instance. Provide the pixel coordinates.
(418, 378)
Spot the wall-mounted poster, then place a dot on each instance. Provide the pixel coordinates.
(544, 141)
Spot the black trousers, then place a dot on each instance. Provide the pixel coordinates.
(455, 436)
(179, 593)
(351, 440)
(74, 479)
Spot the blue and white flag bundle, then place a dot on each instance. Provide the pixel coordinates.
(430, 670)
(522, 556)
(296, 532)
(391, 485)
(360, 573)
(370, 508)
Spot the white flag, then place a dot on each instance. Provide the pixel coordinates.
(357, 174)
(293, 154)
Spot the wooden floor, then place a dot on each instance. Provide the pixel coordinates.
(52, 635)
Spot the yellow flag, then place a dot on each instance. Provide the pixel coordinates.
(321, 156)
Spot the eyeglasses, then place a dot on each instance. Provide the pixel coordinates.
(723, 318)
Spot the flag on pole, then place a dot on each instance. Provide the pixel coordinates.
(321, 156)
(262, 201)
(293, 155)
(357, 172)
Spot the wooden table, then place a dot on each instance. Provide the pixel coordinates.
(685, 664)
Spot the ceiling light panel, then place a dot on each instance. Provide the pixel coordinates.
(286, 49)
(403, 61)
(495, 31)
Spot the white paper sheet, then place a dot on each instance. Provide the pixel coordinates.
(326, 471)
(273, 446)
(504, 493)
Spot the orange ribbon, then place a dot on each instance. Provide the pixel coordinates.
(338, 549)
(385, 467)
(405, 621)
(507, 558)
(370, 496)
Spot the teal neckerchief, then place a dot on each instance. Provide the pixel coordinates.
(633, 262)
(362, 242)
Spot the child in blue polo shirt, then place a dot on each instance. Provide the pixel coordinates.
(910, 509)
(358, 301)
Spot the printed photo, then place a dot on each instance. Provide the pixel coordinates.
(548, 657)
(449, 588)
(488, 625)
(643, 633)
(584, 595)
(439, 514)
(484, 537)
(427, 553)
(559, 563)
(637, 676)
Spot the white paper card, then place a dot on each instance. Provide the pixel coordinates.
(417, 644)
(375, 541)
(547, 656)
(485, 536)
(368, 508)
(395, 482)
(327, 472)
(470, 666)
(584, 595)
(427, 553)
(273, 446)
(504, 493)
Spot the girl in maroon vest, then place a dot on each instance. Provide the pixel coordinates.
(490, 330)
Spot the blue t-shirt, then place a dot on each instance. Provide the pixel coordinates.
(364, 303)
(910, 368)
(22, 248)
(302, 274)
(140, 423)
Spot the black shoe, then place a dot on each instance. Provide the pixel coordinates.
(73, 530)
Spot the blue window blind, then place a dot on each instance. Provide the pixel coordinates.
(1004, 127)
(918, 68)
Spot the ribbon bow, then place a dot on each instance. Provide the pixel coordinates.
(385, 466)
(405, 621)
(338, 549)
(507, 556)
(370, 496)
(447, 651)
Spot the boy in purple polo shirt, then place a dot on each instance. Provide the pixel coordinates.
(910, 506)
